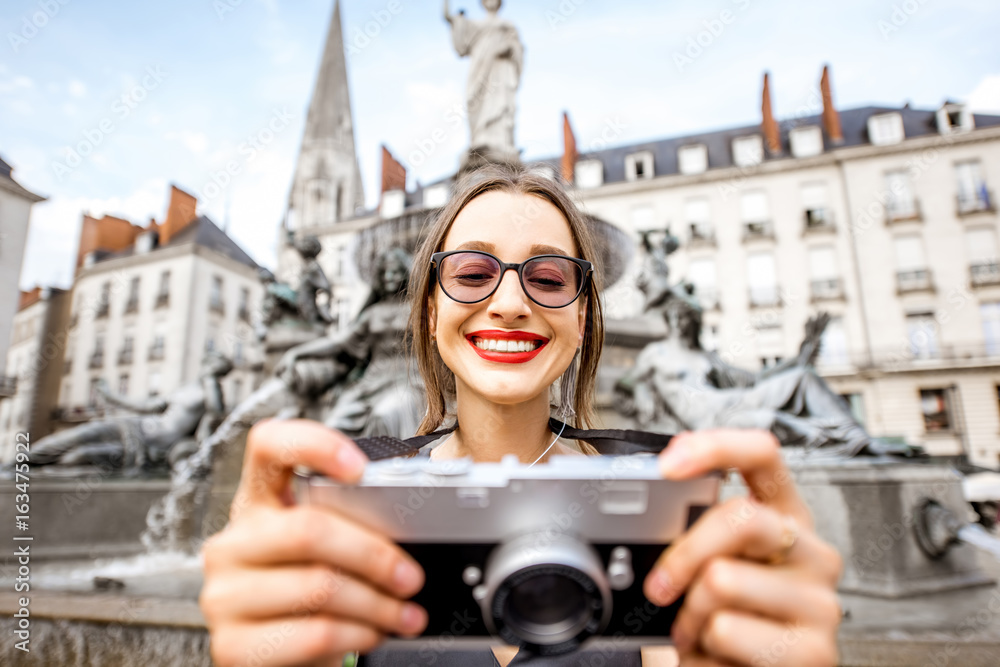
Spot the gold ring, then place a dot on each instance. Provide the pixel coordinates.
(789, 536)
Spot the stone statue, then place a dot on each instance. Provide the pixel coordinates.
(496, 56)
(144, 441)
(281, 302)
(675, 385)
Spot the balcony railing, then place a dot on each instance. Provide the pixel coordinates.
(986, 273)
(903, 210)
(8, 386)
(162, 300)
(97, 360)
(125, 356)
(761, 229)
(978, 202)
(701, 234)
(918, 280)
(217, 306)
(761, 297)
(828, 289)
(819, 219)
(156, 353)
(132, 306)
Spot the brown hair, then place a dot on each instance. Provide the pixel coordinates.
(439, 381)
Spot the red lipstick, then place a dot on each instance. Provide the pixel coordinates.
(506, 357)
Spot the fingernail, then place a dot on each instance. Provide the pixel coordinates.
(662, 588)
(407, 577)
(351, 460)
(413, 619)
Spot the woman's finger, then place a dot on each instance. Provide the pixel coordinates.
(311, 535)
(774, 593)
(755, 453)
(746, 639)
(290, 641)
(275, 447)
(743, 528)
(301, 591)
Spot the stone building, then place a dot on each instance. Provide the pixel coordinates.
(148, 303)
(15, 211)
(35, 359)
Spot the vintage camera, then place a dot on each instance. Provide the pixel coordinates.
(543, 557)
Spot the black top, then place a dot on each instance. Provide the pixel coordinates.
(429, 656)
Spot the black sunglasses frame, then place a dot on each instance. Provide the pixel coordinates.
(586, 267)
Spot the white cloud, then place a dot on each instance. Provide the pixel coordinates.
(77, 88)
(17, 84)
(196, 142)
(986, 97)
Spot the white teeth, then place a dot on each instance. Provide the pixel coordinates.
(492, 344)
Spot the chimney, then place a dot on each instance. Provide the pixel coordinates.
(769, 126)
(393, 173)
(109, 234)
(569, 151)
(180, 213)
(831, 119)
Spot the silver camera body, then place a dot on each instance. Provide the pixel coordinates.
(544, 557)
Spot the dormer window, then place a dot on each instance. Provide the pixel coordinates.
(436, 196)
(638, 166)
(953, 118)
(145, 242)
(692, 159)
(885, 129)
(589, 174)
(393, 203)
(806, 141)
(748, 151)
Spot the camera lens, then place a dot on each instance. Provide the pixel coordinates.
(547, 601)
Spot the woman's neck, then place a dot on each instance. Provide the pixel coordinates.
(488, 431)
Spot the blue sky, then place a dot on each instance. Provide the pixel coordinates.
(170, 92)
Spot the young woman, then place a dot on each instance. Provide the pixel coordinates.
(504, 302)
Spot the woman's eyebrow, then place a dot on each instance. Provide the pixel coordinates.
(547, 250)
(478, 245)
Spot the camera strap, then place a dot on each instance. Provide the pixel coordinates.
(610, 442)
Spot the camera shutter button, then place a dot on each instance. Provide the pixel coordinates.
(620, 574)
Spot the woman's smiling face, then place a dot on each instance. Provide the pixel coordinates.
(513, 227)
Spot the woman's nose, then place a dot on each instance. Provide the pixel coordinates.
(509, 301)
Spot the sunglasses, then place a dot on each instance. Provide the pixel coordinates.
(471, 276)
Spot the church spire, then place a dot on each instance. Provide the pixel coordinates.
(327, 186)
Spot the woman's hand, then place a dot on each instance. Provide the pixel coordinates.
(761, 585)
(297, 585)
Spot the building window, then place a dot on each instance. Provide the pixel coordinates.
(806, 141)
(989, 313)
(155, 381)
(885, 129)
(210, 342)
(436, 196)
(319, 203)
(589, 174)
(973, 195)
(701, 274)
(824, 279)
(912, 273)
(158, 349)
(814, 202)
(692, 159)
(393, 203)
(215, 303)
(698, 219)
(97, 357)
(833, 345)
(132, 304)
(128, 345)
(244, 311)
(981, 248)
(763, 279)
(748, 151)
(756, 215)
(921, 329)
(104, 302)
(341, 259)
(770, 346)
(900, 203)
(163, 294)
(934, 406)
(92, 392)
(123, 384)
(638, 166)
(954, 118)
